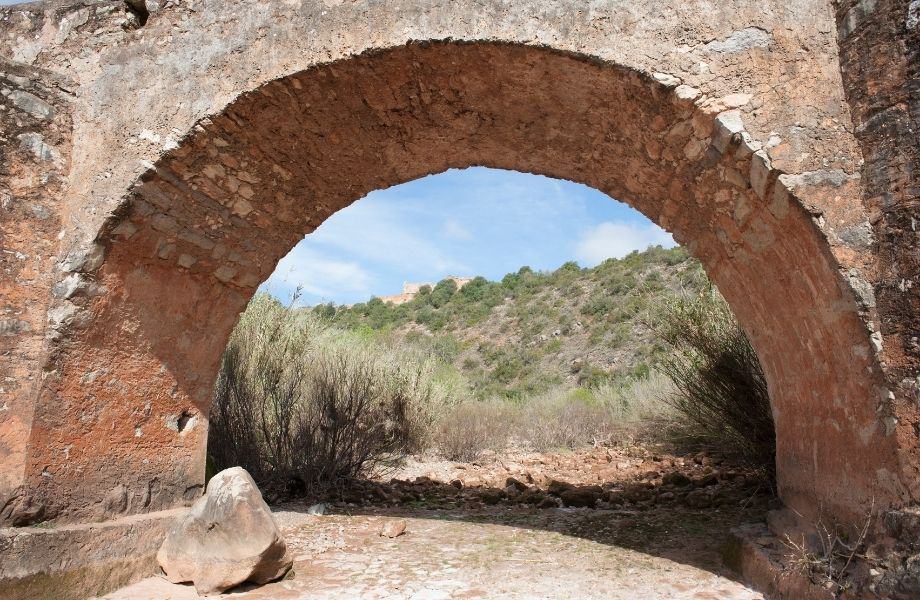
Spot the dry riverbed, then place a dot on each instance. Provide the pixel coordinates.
(600, 523)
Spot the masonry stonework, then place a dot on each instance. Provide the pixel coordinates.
(35, 135)
(160, 158)
(880, 62)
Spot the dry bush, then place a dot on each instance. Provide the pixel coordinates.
(468, 429)
(356, 417)
(839, 547)
(637, 412)
(298, 403)
(721, 394)
(562, 418)
(567, 418)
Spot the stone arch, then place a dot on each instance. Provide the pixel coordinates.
(120, 427)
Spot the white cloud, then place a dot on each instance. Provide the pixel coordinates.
(454, 230)
(616, 240)
(318, 275)
(372, 232)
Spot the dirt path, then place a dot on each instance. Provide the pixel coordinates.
(465, 541)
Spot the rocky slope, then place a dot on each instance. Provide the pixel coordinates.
(532, 331)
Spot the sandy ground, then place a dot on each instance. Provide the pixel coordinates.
(658, 548)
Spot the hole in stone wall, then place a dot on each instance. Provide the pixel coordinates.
(184, 421)
(139, 9)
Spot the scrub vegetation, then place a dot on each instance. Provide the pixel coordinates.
(635, 350)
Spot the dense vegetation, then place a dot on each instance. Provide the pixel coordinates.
(635, 348)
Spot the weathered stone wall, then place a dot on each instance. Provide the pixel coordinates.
(86, 560)
(191, 222)
(211, 135)
(34, 159)
(880, 61)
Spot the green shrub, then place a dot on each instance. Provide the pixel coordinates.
(598, 304)
(721, 392)
(443, 292)
(299, 403)
(475, 290)
(619, 335)
(507, 368)
(620, 283)
(425, 315)
(676, 256)
(445, 347)
(554, 346)
(470, 363)
(325, 311)
(597, 335)
(591, 376)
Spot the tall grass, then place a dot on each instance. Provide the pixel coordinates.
(721, 394)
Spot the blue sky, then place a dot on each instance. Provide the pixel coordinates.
(468, 222)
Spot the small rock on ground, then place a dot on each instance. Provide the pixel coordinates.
(392, 529)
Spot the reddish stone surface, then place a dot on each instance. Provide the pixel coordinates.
(880, 62)
(34, 159)
(206, 143)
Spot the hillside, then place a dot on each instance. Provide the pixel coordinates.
(532, 331)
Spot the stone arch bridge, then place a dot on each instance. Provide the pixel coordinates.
(159, 158)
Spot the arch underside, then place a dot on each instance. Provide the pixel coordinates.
(207, 225)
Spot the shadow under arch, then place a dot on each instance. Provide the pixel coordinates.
(209, 222)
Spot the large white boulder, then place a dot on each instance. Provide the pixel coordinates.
(228, 536)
